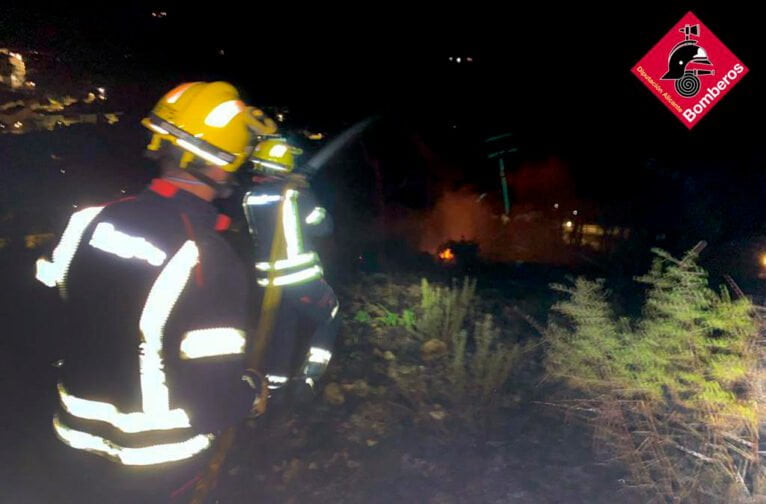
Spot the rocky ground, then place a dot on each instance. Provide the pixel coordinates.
(383, 426)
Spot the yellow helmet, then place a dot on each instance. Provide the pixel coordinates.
(208, 121)
(275, 154)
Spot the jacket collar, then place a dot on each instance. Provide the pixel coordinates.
(195, 207)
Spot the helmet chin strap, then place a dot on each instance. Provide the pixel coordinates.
(222, 189)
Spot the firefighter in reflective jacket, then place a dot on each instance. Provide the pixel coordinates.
(281, 203)
(156, 300)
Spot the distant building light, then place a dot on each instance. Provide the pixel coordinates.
(280, 117)
(30, 84)
(123, 191)
(36, 239)
(221, 52)
(74, 206)
(556, 206)
(62, 171)
(593, 229)
(569, 224)
(458, 60)
(574, 213)
(469, 60)
(101, 93)
(18, 124)
(451, 58)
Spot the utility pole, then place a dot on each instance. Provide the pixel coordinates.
(498, 150)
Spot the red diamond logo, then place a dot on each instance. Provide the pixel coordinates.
(690, 70)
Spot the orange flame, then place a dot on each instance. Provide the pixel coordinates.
(447, 255)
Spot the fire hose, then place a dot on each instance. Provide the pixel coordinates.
(269, 307)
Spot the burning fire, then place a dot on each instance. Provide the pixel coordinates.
(447, 255)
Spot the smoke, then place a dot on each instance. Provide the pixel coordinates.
(531, 231)
(458, 215)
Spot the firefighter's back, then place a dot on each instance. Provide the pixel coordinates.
(153, 341)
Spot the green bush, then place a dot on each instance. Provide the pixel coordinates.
(478, 376)
(362, 317)
(443, 311)
(392, 319)
(459, 389)
(674, 391)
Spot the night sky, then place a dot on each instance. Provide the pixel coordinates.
(560, 74)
